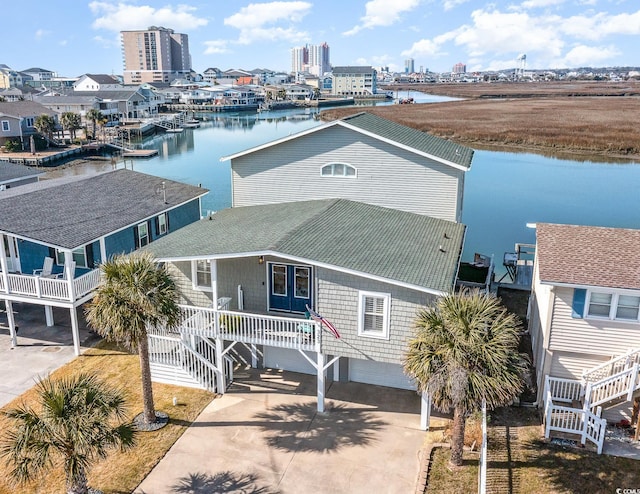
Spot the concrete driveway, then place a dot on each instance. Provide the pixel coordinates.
(40, 349)
(265, 436)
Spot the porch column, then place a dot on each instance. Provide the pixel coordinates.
(213, 265)
(321, 384)
(69, 274)
(425, 411)
(4, 265)
(103, 250)
(48, 315)
(74, 330)
(12, 323)
(222, 384)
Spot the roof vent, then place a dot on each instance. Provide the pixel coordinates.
(441, 249)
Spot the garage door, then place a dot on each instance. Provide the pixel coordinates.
(291, 360)
(380, 373)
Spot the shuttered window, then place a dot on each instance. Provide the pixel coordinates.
(373, 310)
(613, 306)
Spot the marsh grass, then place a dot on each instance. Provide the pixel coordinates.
(122, 471)
(586, 125)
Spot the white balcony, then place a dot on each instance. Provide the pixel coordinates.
(46, 289)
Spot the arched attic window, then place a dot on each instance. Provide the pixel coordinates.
(338, 170)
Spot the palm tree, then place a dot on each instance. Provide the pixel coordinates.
(94, 116)
(465, 352)
(72, 122)
(80, 419)
(135, 292)
(45, 125)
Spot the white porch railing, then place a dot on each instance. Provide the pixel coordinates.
(570, 420)
(613, 366)
(482, 471)
(283, 332)
(50, 288)
(621, 384)
(563, 390)
(581, 421)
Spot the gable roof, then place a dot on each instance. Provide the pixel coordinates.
(588, 256)
(24, 109)
(381, 243)
(72, 212)
(102, 78)
(413, 140)
(10, 172)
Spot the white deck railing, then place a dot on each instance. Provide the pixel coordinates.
(571, 420)
(622, 384)
(50, 288)
(482, 471)
(283, 332)
(563, 390)
(613, 366)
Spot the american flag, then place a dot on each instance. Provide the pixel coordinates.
(323, 321)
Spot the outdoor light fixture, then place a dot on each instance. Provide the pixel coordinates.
(260, 259)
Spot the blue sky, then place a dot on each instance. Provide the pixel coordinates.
(74, 37)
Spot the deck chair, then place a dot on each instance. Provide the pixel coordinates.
(47, 267)
(63, 275)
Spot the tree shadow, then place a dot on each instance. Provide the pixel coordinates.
(201, 483)
(299, 427)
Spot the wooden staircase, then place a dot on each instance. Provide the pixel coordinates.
(608, 384)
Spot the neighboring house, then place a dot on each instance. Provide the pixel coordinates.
(79, 104)
(125, 103)
(354, 81)
(363, 158)
(585, 323)
(365, 268)
(77, 223)
(12, 94)
(14, 175)
(10, 78)
(211, 74)
(39, 75)
(97, 82)
(18, 117)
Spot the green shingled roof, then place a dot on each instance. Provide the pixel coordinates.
(416, 139)
(395, 245)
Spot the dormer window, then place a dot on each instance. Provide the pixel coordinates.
(338, 170)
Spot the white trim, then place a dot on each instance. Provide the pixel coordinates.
(344, 175)
(194, 275)
(613, 307)
(624, 291)
(11, 180)
(161, 224)
(351, 127)
(317, 264)
(386, 314)
(144, 224)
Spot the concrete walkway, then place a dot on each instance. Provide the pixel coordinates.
(40, 349)
(265, 436)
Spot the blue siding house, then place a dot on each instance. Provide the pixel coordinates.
(55, 233)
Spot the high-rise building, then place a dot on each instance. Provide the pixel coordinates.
(409, 67)
(157, 54)
(459, 68)
(311, 58)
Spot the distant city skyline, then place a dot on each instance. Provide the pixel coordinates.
(84, 37)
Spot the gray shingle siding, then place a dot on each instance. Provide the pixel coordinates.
(386, 175)
(338, 302)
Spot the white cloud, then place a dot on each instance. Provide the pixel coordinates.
(451, 4)
(41, 33)
(256, 21)
(123, 16)
(106, 42)
(422, 48)
(382, 13)
(582, 55)
(216, 47)
(533, 4)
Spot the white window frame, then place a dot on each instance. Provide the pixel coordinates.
(140, 237)
(194, 275)
(333, 173)
(384, 335)
(6, 126)
(80, 253)
(613, 309)
(162, 224)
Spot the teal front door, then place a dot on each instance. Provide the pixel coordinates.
(289, 287)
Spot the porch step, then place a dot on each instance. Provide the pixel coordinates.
(169, 374)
